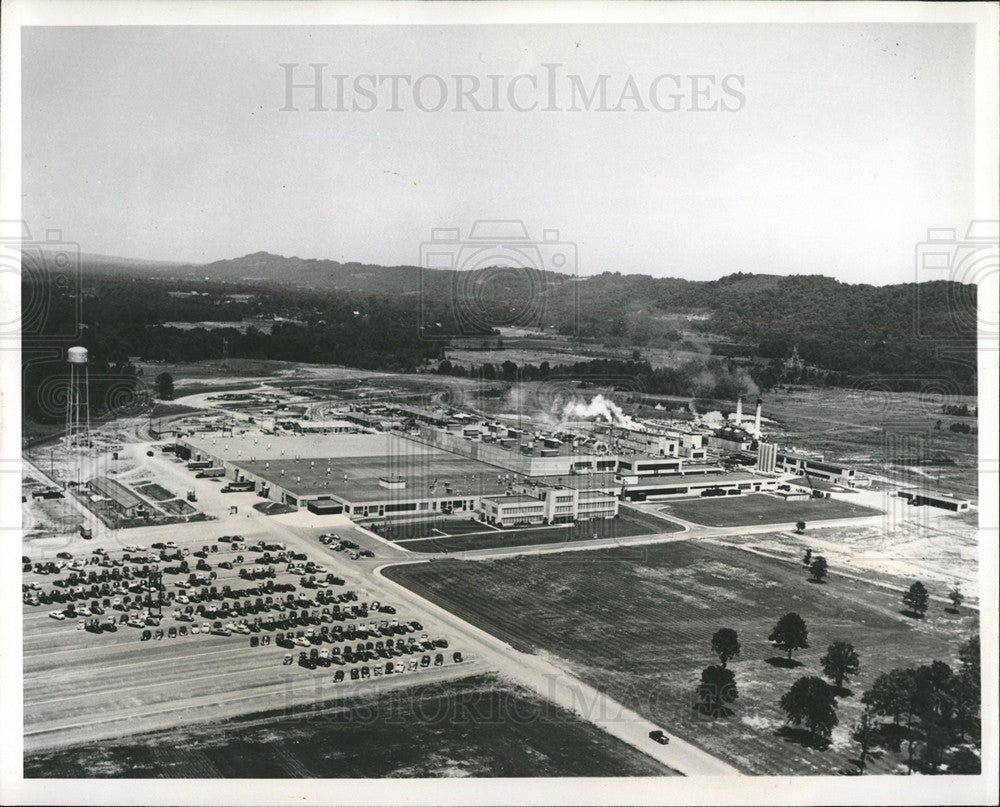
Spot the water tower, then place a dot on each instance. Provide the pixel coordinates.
(78, 398)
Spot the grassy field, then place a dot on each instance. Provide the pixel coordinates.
(639, 628)
(738, 511)
(479, 726)
(621, 527)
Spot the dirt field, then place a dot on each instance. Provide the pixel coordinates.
(640, 629)
(879, 430)
(476, 726)
(737, 511)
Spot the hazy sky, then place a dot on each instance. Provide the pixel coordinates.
(169, 143)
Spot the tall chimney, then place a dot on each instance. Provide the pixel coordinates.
(756, 420)
(739, 412)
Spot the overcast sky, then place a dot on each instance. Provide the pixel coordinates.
(170, 143)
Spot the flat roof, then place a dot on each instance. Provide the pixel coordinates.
(579, 481)
(308, 477)
(706, 480)
(515, 498)
(930, 494)
(327, 424)
(254, 444)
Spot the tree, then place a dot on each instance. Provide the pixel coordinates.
(888, 694)
(967, 690)
(965, 761)
(818, 569)
(800, 527)
(716, 690)
(165, 386)
(865, 734)
(915, 599)
(725, 644)
(811, 701)
(841, 661)
(790, 634)
(807, 559)
(957, 597)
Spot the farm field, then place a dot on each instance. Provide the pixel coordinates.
(621, 527)
(475, 726)
(738, 511)
(637, 623)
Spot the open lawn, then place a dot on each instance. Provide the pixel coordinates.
(738, 511)
(637, 624)
(477, 726)
(621, 527)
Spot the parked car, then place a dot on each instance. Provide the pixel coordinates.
(338, 676)
(64, 555)
(456, 657)
(57, 615)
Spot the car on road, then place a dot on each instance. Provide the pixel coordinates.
(57, 615)
(64, 555)
(658, 736)
(149, 453)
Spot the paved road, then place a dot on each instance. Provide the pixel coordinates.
(300, 530)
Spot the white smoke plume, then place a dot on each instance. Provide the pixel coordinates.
(599, 407)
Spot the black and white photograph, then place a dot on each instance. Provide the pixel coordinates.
(499, 403)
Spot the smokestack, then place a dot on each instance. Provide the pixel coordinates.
(756, 420)
(739, 412)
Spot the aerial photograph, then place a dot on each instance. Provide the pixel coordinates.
(520, 401)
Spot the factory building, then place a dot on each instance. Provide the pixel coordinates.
(837, 473)
(123, 501)
(917, 497)
(539, 504)
(326, 426)
(525, 454)
(767, 457)
(659, 487)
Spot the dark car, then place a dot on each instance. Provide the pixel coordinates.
(456, 657)
(659, 737)
(64, 555)
(338, 676)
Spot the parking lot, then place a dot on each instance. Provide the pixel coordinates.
(196, 628)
